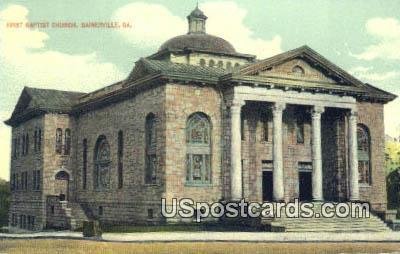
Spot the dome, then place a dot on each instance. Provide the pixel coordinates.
(197, 38)
(197, 13)
(199, 41)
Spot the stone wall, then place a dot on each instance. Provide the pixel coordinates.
(371, 115)
(27, 201)
(134, 202)
(182, 101)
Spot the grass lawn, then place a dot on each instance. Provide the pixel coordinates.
(80, 246)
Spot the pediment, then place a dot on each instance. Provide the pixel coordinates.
(302, 64)
(297, 69)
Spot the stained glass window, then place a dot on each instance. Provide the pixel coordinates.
(198, 163)
(364, 163)
(102, 164)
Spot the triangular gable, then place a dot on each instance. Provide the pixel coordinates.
(315, 66)
(141, 69)
(23, 103)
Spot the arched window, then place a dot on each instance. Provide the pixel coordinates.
(211, 63)
(202, 62)
(102, 164)
(198, 145)
(364, 161)
(120, 159)
(220, 64)
(298, 70)
(237, 66)
(151, 144)
(229, 66)
(67, 142)
(58, 141)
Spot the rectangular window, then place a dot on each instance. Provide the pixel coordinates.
(36, 180)
(14, 148)
(35, 139)
(84, 166)
(198, 168)
(67, 142)
(27, 144)
(23, 145)
(151, 165)
(120, 159)
(242, 127)
(58, 141)
(300, 131)
(150, 214)
(265, 136)
(39, 144)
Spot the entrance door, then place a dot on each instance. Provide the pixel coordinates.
(62, 185)
(267, 185)
(305, 186)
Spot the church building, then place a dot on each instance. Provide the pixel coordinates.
(198, 120)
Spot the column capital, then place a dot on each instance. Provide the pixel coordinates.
(236, 103)
(353, 113)
(317, 111)
(278, 107)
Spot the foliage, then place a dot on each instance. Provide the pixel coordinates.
(392, 156)
(392, 166)
(5, 197)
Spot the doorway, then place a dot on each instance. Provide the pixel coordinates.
(305, 186)
(267, 186)
(62, 185)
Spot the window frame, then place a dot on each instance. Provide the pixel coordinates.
(364, 155)
(202, 150)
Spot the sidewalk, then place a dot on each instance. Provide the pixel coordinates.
(216, 236)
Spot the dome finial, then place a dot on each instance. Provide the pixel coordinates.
(197, 21)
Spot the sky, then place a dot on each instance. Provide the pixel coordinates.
(360, 36)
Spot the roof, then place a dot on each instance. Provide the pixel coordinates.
(345, 82)
(200, 41)
(147, 66)
(36, 101)
(197, 13)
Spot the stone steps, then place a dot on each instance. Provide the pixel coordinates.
(334, 224)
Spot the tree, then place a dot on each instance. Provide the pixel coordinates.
(5, 197)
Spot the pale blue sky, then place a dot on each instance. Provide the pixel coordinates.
(363, 37)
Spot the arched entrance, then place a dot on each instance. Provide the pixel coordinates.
(62, 185)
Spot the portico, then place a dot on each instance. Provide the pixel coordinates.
(278, 100)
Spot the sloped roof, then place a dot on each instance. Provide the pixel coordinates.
(147, 66)
(346, 81)
(35, 101)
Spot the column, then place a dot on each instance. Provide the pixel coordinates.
(236, 142)
(278, 185)
(317, 179)
(353, 158)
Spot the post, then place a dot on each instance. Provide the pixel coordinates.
(278, 191)
(236, 142)
(353, 157)
(317, 179)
